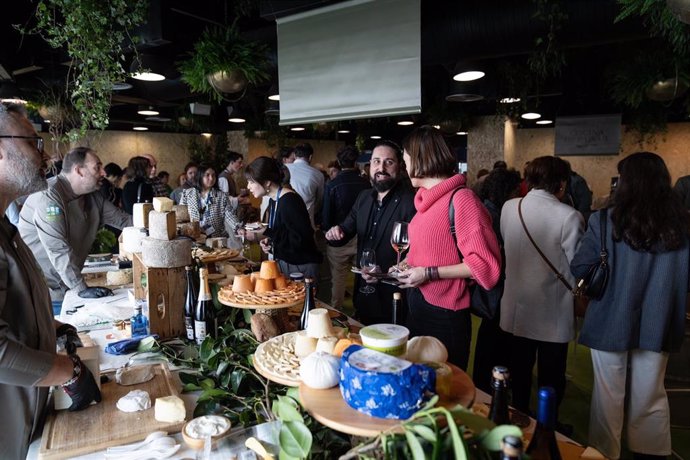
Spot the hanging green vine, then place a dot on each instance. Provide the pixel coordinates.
(659, 21)
(548, 58)
(96, 35)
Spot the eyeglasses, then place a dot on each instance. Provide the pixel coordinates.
(38, 139)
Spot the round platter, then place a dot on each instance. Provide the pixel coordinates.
(329, 407)
(260, 306)
(291, 296)
(275, 354)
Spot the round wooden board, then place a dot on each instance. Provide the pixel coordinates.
(266, 372)
(329, 407)
(260, 307)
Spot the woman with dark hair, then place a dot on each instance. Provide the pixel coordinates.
(440, 263)
(189, 181)
(641, 315)
(137, 189)
(210, 206)
(499, 186)
(289, 236)
(536, 307)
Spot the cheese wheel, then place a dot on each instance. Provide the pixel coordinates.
(140, 214)
(319, 324)
(166, 254)
(169, 409)
(118, 277)
(190, 229)
(304, 345)
(162, 204)
(162, 225)
(132, 238)
(181, 213)
(326, 344)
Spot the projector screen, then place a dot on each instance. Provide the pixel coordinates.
(356, 59)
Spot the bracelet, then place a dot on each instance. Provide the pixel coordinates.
(431, 273)
(76, 371)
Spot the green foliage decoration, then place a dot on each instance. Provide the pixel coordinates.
(660, 22)
(548, 57)
(104, 242)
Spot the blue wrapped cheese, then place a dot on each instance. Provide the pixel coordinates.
(384, 386)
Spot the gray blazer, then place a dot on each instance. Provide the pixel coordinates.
(644, 302)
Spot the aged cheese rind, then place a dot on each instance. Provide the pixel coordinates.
(190, 229)
(166, 254)
(162, 204)
(181, 213)
(162, 225)
(119, 277)
(169, 409)
(140, 214)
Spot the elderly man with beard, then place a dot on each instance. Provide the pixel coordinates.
(371, 220)
(29, 364)
(60, 223)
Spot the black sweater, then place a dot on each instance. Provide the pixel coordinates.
(291, 232)
(129, 194)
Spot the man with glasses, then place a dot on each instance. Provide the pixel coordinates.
(60, 224)
(371, 220)
(28, 362)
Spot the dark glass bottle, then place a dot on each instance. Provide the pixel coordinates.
(190, 303)
(205, 314)
(397, 306)
(543, 445)
(309, 303)
(511, 448)
(500, 395)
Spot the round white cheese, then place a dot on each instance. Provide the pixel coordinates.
(166, 254)
(132, 237)
(134, 401)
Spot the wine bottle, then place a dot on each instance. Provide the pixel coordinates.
(189, 303)
(308, 302)
(500, 395)
(511, 448)
(397, 305)
(205, 314)
(139, 322)
(543, 445)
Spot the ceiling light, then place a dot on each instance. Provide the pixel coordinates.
(509, 100)
(437, 126)
(544, 122)
(375, 137)
(461, 133)
(148, 67)
(531, 115)
(297, 128)
(207, 135)
(273, 92)
(148, 111)
(236, 120)
(406, 122)
(469, 75)
(46, 121)
(344, 131)
(10, 93)
(274, 97)
(140, 128)
(148, 76)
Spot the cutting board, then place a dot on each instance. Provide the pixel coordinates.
(69, 434)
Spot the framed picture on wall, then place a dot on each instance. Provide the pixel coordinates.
(588, 135)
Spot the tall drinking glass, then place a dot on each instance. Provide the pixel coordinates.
(367, 264)
(400, 240)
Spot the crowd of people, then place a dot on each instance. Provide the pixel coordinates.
(499, 233)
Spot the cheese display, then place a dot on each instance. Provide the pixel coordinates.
(162, 225)
(166, 254)
(426, 348)
(277, 358)
(132, 238)
(326, 344)
(119, 277)
(181, 213)
(134, 401)
(304, 345)
(140, 214)
(386, 338)
(262, 292)
(319, 370)
(319, 324)
(384, 386)
(269, 270)
(169, 409)
(190, 229)
(163, 204)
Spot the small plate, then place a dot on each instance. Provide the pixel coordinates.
(255, 226)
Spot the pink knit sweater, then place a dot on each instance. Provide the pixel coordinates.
(431, 243)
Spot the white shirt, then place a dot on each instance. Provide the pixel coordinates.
(308, 182)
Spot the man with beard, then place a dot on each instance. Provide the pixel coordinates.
(371, 220)
(29, 364)
(60, 224)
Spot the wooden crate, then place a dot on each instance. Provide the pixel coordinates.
(163, 289)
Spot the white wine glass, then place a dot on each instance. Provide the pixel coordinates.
(400, 240)
(367, 264)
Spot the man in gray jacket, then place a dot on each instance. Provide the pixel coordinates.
(60, 224)
(28, 362)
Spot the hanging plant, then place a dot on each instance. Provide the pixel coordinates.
(96, 34)
(224, 62)
(548, 59)
(55, 106)
(659, 21)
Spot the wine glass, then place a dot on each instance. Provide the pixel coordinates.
(368, 265)
(400, 240)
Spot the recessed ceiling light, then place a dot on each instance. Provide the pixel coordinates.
(150, 111)
(406, 122)
(236, 120)
(148, 76)
(206, 134)
(461, 133)
(46, 121)
(344, 131)
(297, 128)
(140, 128)
(509, 100)
(437, 126)
(544, 122)
(531, 115)
(470, 75)
(274, 97)
(375, 137)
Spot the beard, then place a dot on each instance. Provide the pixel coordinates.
(27, 178)
(382, 182)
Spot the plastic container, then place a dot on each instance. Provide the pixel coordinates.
(219, 427)
(386, 338)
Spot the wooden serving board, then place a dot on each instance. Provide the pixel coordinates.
(260, 306)
(329, 407)
(69, 434)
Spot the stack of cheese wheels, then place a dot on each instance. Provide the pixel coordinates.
(322, 336)
(161, 249)
(266, 287)
(133, 236)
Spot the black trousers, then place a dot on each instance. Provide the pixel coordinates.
(492, 349)
(452, 328)
(551, 359)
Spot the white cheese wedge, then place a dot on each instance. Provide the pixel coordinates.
(162, 225)
(166, 254)
(162, 204)
(169, 409)
(140, 214)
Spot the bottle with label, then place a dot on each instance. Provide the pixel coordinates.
(205, 314)
(397, 307)
(511, 448)
(500, 395)
(189, 303)
(139, 322)
(543, 445)
(309, 303)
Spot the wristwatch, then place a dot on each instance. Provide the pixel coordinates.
(76, 371)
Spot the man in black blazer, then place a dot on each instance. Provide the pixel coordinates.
(371, 220)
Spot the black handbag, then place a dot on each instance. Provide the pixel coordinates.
(594, 282)
(483, 302)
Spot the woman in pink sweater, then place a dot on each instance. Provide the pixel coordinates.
(439, 298)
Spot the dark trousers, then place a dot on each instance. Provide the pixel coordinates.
(452, 328)
(492, 349)
(551, 361)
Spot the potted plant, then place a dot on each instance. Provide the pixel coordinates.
(224, 62)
